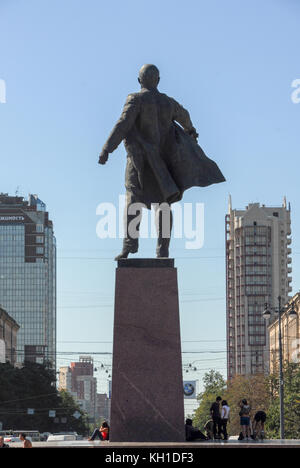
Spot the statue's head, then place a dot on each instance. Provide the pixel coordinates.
(149, 76)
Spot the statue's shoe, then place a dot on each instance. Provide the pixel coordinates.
(124, 254)
(163, 254)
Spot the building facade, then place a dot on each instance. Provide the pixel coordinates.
(65, 379)
(79, 381)
(8, 338)
(290, 335)
(258, 267)
(103, 406)
(87, 395)
(28, 275)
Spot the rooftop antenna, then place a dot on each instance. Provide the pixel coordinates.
(17, 190)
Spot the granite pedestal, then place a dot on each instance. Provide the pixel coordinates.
(147, 385)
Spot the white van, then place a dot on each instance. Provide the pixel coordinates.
(61, 437)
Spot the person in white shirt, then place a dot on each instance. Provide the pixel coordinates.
(224, 418)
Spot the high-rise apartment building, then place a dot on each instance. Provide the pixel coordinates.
(84, 385)
(28, 275)
(258, 267)
(78, 380)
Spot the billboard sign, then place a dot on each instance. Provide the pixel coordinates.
(11, 218)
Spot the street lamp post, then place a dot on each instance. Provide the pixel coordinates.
(267, 315)
(281, 383)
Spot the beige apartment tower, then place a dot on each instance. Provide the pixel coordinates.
(258, 267)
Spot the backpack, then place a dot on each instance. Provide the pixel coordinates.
(245, 410)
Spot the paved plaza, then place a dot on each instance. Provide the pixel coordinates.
(275, 443)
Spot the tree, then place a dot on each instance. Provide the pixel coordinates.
(68, 408)
(33, 386)
(254, 388)
(291, 375)
(262, 393)
(214, 385)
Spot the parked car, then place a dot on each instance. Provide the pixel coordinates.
(44, 436)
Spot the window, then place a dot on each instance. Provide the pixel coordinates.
(257, 339)
(39, 239)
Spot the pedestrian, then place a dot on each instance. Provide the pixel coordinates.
(225, 418)
(245, 410)
(259, 424)
(2, 444)
(191, 432)
(102, 432)
(26, 442)
(216, 417)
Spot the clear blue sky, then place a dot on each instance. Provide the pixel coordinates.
(68, 66)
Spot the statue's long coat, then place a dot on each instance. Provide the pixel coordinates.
(163, 160)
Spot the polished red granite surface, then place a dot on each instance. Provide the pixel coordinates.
(147, 389)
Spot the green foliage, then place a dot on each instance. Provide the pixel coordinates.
(291, 376)
(68, 407)
(255, 389)
(214, 382)
(262, 393)
(214, 385)
(33, 386)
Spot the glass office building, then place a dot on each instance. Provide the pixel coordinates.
(28, 276)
